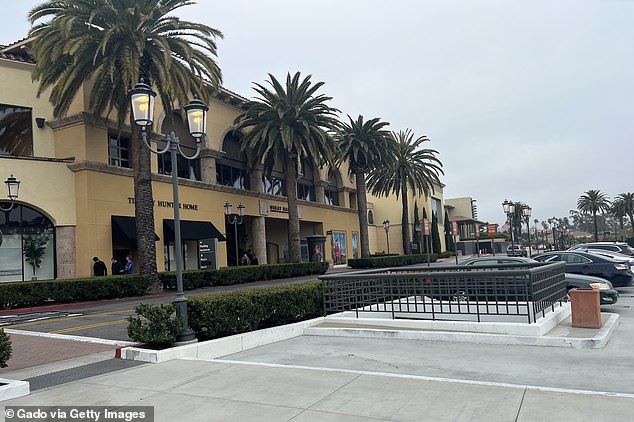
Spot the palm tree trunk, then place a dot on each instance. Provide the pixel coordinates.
(362, 210)
(144, 209)
(405, 218)
(596, 227)
(631, 216)
(294, 247)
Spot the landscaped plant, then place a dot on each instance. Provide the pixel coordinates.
(155, 326)
(34, 249)
(5, 348)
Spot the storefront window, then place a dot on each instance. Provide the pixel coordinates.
(27, 245)
(339, 248)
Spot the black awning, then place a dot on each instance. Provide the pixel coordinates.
(124, 229)
(192, 230)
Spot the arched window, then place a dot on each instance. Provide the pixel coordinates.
(331, 190)
(231, 170)
(187, 169)
(306, 181)
(27, 245)
(370, 217)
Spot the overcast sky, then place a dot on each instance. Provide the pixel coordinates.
(527, 100)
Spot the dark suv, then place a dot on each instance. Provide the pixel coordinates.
(619, 247)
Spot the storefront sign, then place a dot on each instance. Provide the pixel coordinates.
(492, 230)
(278, 208)
(170, 204)
(206, 254)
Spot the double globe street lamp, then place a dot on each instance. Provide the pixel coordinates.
(386, 226)
(526, 212)
(142, 99)
(509, 210)
(235, 220)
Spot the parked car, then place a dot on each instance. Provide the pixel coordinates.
(607, 293)
(619, 247)
(618, 272)
(516, 250)
(573, 281)
(613, 255)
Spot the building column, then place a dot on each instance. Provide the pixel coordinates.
(258, 234)
(255, 178)
(208, 165)
(65, 251)
(320, 192)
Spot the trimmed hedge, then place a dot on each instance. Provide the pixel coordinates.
(391, 261)
(227, 314)
(227, 276)
(36, 293)
(5, 348)
(156, 326)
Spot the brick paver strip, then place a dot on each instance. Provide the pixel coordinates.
(30, 351)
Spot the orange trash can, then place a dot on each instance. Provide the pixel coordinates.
(586, 308)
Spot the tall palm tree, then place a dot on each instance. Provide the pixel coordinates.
(593, 202)
(365, 146)
(112, 44)
(411, 167)
(289, 123)
(628, 205)
(618, 211)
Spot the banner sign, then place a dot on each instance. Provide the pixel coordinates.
(492, 230)
(427, 231)
(454, 226)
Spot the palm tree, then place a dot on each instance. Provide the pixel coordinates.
(409, 168)
(593, 202)
(289, 124)
(618, 211)
(112, 44)
(628, 205)
(364, 145)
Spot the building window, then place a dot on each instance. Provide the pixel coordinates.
(274, 185)
(331, 197)
(16, 131)
(187, 169)
(436, 208)
(305, 192)
(370, 217)
(27, 245)
(232, 176)
(118, 151)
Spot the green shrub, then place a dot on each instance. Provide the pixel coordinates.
(156, 326)
(227, 314)
(5, 348)
(36, 293)
(391, 261)
(235, 275)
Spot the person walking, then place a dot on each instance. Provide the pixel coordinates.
(129, 265)
(117, 268)
(99, 267)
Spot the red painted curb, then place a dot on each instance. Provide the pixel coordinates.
(117, 350)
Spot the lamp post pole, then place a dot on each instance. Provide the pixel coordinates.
(509, 209)
(142, 100)
(386, 226)
(235, 220)
(526, 212)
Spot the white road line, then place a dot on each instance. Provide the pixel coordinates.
(428, 378)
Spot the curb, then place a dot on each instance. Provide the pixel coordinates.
(92, 340)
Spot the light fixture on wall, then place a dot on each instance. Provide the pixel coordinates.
(40, 122)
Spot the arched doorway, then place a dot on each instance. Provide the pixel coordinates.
(27, 245)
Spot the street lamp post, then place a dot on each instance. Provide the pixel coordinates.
(235, 220)
(142, 100)
(526, 212)
(13, 185)
(509, 210)
(386, 226)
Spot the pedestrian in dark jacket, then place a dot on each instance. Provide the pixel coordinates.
(99, 267)
(129, 265)
(116, 266)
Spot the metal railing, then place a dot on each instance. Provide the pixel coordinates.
(449, 292)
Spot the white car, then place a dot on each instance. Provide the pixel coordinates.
(516, 250)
